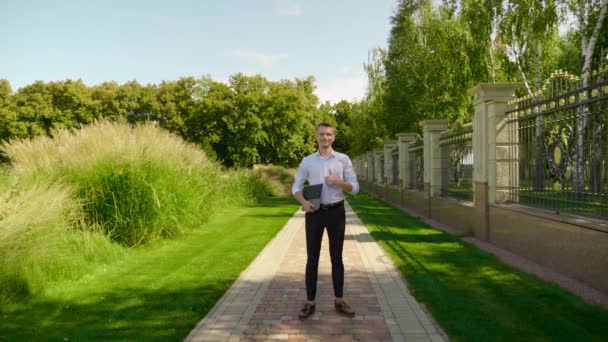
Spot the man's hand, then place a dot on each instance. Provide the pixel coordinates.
(308, 207)
(332, 180)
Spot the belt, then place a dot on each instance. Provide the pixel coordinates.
(332, 205)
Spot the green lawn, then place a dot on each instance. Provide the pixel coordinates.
(158, 292)
(464, 191)
(472, 294)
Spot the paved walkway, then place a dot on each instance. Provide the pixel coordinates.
(262, 305)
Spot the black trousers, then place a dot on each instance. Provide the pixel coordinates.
(334, 220)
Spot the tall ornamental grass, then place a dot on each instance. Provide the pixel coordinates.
(79, 197)
(138, 183)
(42, 240)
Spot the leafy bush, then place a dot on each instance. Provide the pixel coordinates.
(278, 179)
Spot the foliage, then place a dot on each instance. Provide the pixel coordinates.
(247, 121)
(278, 179)
(369, 127)
(67, 199)
(428, 67)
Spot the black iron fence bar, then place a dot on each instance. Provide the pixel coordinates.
(457, 163)
(543, 165)
(570, 100)
(416, 147)
(401, 192)
(456, 136)
(385, 179)
(416, 151)
(395, 170)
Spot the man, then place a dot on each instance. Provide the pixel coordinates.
(335, 171)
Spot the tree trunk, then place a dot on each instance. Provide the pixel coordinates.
(588, 48)
(539, 174)
(579, 154)
(595, 176)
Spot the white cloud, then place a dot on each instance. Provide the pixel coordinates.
(267, 60)
(290, 9)
(335, 89)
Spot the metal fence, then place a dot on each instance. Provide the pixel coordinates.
(372, 172)
(559, 145)
(457, 160)
(382, 170)
(395, 170)
(416, 152)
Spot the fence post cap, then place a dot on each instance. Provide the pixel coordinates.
(434, 125)
(492, 90)
(406, 137)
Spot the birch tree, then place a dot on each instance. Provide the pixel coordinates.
(591, 15)
(368, 124)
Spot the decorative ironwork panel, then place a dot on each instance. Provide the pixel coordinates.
(457, 160)
(416, 152)
(559, 145)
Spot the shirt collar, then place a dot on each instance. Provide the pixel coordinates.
(331, 154)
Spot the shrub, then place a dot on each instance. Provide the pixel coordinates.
(278, 179)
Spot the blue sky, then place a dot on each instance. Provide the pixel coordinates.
(151, 41)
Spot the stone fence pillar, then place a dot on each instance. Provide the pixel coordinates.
(378, 153)
(490, 148)
(405, 139)
(359, 166)
(370, 166)
(432, 155)
(388, 160)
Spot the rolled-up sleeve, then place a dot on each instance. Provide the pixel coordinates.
(299, 179)
(350, 176)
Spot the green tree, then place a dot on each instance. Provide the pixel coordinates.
(104, 102)
(174, 102)
(368, 128)
(428, 68)
(34, 111)
(591, 15)
(205, 125)
(7, 114)
(343, 114)
(288, 121)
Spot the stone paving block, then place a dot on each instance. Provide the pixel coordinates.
(263, 303)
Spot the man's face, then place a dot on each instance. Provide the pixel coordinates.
(325, 136)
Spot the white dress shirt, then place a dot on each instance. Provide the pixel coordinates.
(314, 168)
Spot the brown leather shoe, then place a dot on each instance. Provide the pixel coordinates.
(343, 308)
(307, 310)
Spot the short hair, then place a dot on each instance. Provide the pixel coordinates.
(326, 124)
